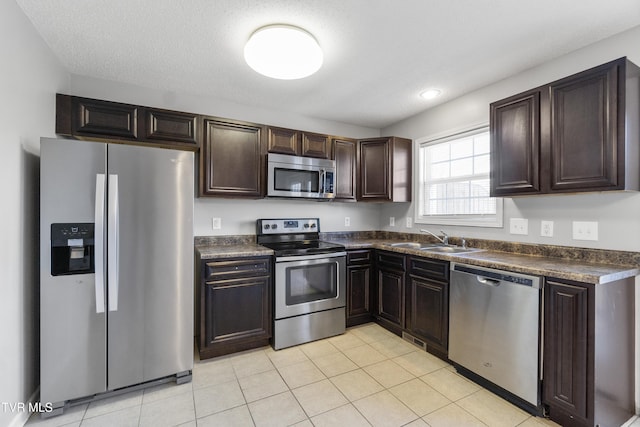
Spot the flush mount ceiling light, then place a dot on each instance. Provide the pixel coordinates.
(430, 93)
(283, 52)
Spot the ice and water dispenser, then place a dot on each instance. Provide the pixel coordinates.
(72, 248)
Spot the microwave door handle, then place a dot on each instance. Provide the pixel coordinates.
(323, 177)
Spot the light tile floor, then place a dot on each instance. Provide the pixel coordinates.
(366, 377)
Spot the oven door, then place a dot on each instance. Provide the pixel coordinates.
(309, 283)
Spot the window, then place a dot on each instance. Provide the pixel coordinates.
(453, 186)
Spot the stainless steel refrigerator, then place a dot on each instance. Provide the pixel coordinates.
(116, 291)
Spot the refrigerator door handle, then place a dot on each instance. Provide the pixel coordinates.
(113, 225)
(99, 242)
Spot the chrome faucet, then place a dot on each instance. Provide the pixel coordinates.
(444, 239)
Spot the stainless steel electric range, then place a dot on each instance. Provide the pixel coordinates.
(310, 281)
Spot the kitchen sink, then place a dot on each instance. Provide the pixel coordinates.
(449, 249)
(415, 245)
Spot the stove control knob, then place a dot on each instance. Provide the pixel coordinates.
(266, 226)
(313, 225)
(274, 226)
(306, 226)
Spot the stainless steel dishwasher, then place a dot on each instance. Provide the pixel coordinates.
(494, 331)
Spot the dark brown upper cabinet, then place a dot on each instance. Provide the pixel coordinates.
(384, 169)
(344, 153)
(298, 143)
(316, 145)
(86, 118)
(232, 159)
(570, 135)
(515, 144)
(163, 125)
(283, 141)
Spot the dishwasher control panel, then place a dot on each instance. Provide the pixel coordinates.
(499, 275)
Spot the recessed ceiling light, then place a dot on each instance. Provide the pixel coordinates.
(430, 93)
(283, 52)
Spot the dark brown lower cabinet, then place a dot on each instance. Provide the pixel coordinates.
(235, 305)
(427, 312)
(588, 377)
(360, 297)
(391, 271)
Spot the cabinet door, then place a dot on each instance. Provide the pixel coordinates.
(231, 160)
(283, 141)
(587, 142)
(316, 145)
(567, 347)
(237, 310)
(374, 182)
(344, 153)
(170, 126)
(358, 294)
(92, 117)
(391, 296)
(515, 145)
(429, 311)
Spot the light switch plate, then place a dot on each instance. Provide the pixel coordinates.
(546, 228)
(392, 221)
(216, 223)
(409, 222)
(347, 221)
(519, 226)
(585, 230)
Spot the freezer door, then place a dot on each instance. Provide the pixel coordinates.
(72, 327)
(150, 246)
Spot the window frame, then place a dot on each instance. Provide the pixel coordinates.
(479, 220)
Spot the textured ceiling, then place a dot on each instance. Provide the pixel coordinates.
(379, 54)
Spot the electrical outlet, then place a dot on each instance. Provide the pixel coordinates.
(585, 230)
(519, 226)
(216, 223)
(392, 221)
(546, 228)
(347, 221)
(409, 222)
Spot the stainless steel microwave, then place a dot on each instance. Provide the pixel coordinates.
(296, 176)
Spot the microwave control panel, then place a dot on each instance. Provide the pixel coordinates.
(286, 226)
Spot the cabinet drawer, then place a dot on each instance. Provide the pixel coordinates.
(425, 267)
(236, 268)
(391, 260)
(359, 257)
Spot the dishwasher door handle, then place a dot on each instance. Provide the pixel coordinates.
(487, 281)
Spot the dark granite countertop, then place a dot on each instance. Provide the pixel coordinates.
(562, 268)
(579, 264)
(232, 250)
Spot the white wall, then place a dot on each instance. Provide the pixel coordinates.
(239, 216)
(616, 213)
(30, 78)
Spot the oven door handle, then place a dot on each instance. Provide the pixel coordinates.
(310, 257)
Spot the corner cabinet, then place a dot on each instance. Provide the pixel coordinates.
(232, 160)
(427, 305)
(588, 378)
(384, 169)
(235, 305)
(360, 295)
(570, 135)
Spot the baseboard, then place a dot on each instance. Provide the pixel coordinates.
(21, 417)
(631, 421)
